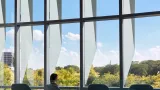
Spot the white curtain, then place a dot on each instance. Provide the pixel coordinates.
(128, 37)
(89, 29)
(53, 36)
(25, 37)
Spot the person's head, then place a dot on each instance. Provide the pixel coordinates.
(53, 77)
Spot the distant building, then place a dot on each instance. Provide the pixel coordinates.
(7, 57)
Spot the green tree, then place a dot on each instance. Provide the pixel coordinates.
(153, 66)
(39, 77)
(6, 74)
(113, 69)
(98, 69)
(25, 79)
(68, 77)
(59, 68)
(111, 80)
(92, 76)
(139, 69)
(76, 68)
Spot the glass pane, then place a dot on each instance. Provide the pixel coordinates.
(70, 9)
(7, 56)
(38, 10)
(64, 58)
(107, 7)
(147, 5)
(93, 8)
(101, 53)
(144, 68)
(9, 11)
(62, 9)
(31, 52)
(24, 10)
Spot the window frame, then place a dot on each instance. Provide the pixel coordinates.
(80, 20)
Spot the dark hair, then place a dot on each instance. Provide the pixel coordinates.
(53, 77)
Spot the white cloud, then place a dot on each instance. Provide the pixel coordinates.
(75, 57)
(10, 49)
(102, 59)
(138, 56)
(10, 33)
(63, 49)
(99, 44)
(113, 55)
(73, 54)
(38, 35)
(155, 52)
(149, 54)
(72, 36)
(36, 56)
(68, 57)
(63, 37)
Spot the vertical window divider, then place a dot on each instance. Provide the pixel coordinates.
(121, 42)
(81, 46)
(15, 41)
(45, 44)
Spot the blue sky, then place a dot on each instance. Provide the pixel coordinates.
(147, 32)
(70, 8)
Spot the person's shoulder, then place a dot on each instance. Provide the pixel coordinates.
(55, 84)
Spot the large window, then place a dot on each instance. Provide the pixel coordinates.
(70, 9)
(7, 56)
(146, 5)
(63, 53)
(9, 18)
(31, 52)
(37, 10)
(111, 7)
(145, 64)
(96, 7)
(101, 53)
(111, 42)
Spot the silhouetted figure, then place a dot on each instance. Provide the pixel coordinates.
(53, 85)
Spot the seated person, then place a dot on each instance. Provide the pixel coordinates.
(53, 85)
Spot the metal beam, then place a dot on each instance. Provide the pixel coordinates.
(88, 19)
(121, 44)
(45, 44)
(81, 46)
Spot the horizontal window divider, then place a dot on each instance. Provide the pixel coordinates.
(30, 23)
(42, 87)
(101, 18)
(88, 19)
(63, 21)
(32, 87)
(7, 25)
(141, 15)
(5, 86)
(72, 87)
